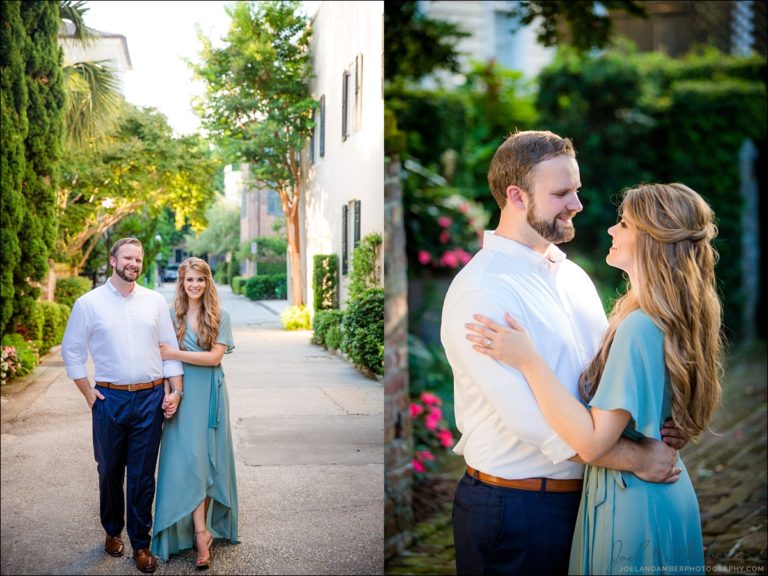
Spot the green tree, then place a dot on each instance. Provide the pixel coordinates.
(141, 166)
(13, 132)
(257, 102)
(33, 43)
(91, 88)
(222, 234)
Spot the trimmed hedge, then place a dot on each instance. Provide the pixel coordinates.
(238, 284)
(70, 289)
(272, 287)
(327, 328)
(363, 331)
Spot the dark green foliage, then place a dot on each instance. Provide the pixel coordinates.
(366, 266)
(70, 289)
(325, 282)
(325, 322)
(363, 331)
(30, 320)
(647, 118)
(54, 323)
(13, 132)
(415, 45)
(233, 270)
(272, 287)
(222, 273)
(238, 284)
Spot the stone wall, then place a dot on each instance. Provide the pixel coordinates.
(398, 477)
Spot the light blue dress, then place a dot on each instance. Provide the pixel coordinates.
(196, 456)
(626, 525)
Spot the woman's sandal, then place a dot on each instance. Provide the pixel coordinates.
(205, 562)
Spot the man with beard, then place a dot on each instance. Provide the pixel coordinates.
(515, 508)
(122, 325)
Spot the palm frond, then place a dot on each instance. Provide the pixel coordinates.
(93, 100)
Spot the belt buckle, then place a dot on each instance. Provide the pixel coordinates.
(132, 387)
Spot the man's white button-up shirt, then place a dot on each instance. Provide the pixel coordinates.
(122, 334)
(503, 432)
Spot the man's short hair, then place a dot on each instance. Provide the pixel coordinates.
(515, 160)
(123, 241)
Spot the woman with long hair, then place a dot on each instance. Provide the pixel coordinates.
(659, 357)
(196, 482)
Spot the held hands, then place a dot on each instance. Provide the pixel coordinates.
(510, 345)
(170, 405)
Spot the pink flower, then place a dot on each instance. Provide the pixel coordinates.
(431, 422)
(463, 256)
(463, 207)
(444, 221)
(435, 412)
(444, 237)
(418, 466)
(446, 438)
(429, 398)
(449, 259)
(416, 409)
(424, 257)
(423, 455)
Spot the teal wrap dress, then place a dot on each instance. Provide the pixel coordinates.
(196, 456)
(626, 525)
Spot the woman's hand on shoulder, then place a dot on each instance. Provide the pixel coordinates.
(167, 352)
(509, 344)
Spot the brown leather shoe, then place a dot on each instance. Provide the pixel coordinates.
(144, 560)
(114, 546)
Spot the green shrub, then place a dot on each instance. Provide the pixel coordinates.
(296, 318)
(323, 323)
(334, 336)
(238, 284)
(271, 287)
(52, 321)
(222, 273)
(65, 311)
(363, 331)
(70, 289)
(366, 271)
(325, 281)
(26, 352)
(233, 270)
(30, 321)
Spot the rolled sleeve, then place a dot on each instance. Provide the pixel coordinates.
(74, 346)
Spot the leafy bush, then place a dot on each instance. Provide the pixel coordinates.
(363, 331)
(222, 273)
(53, 320)
(324, 322)
(238, 284)
(30, 321)
(9, 364)
(26, 353)
(325, 281)
(271, 287)
(366, 269)
(70, 289)
(233, 270)
(296, 318)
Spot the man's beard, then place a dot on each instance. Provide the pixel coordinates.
(557, 234)
(122, 273)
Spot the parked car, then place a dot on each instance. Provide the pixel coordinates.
(171, 273)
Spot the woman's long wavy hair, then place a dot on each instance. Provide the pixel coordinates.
(675, 286)
(210, 311)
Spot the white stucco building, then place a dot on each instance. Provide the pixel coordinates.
(109, 48)
(343, 164)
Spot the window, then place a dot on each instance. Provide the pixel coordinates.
(312, 138)
(322, 125)
(358, 92)
(345, 105)
(356, 230)
(344, 239)
(274, 205)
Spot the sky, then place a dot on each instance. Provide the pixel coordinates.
(159, 34)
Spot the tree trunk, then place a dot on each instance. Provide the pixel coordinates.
(291, 210)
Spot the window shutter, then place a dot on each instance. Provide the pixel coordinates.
(344, 239)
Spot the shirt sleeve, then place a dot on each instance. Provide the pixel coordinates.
(168, 336)
(74, 346)
(503, 387)
(634, 376)
(225, 332)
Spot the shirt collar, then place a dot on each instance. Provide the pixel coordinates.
(551, 258)
(117, 292)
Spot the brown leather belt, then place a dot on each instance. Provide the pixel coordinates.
(131, 387)
(532, 484)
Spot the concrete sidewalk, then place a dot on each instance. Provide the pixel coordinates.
(308, 434)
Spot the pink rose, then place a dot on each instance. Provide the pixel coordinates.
(431, 423)
(416, 409)
(444, 221)
(424, 257)
(444, 237)
(435, 412)
(418, 466)
(446, 438)
(449, 259)
(423, 455)
(429, 398)
(463, 256)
